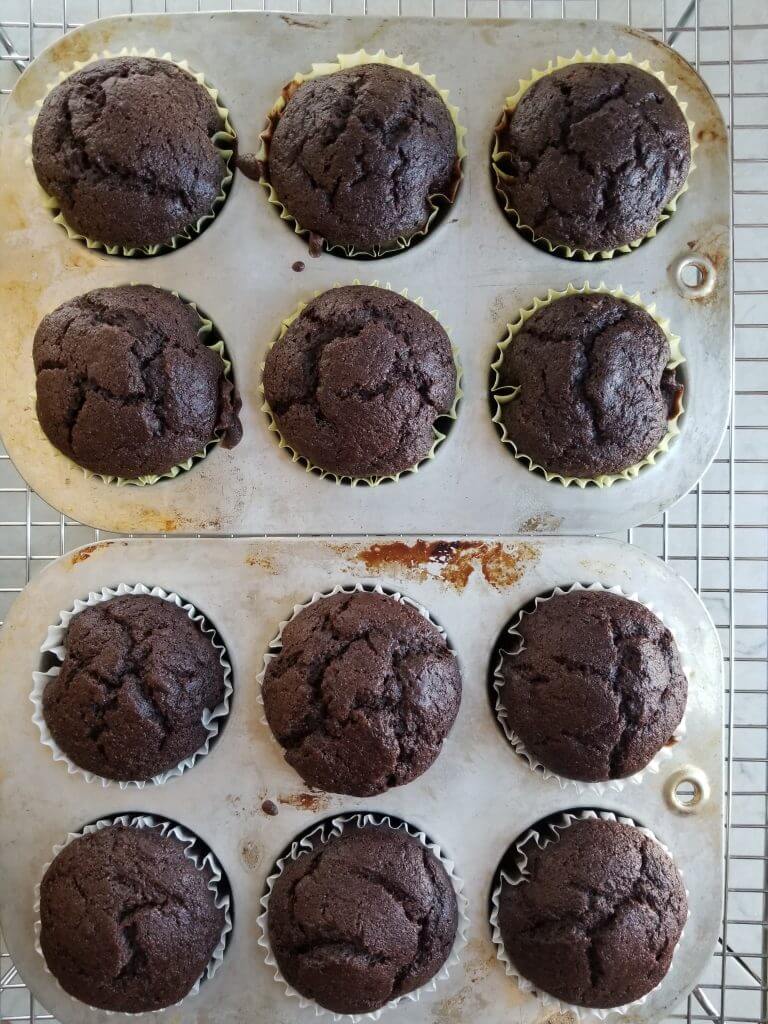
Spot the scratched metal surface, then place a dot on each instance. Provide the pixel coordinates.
(716, 537)
(474, 801)
(474, 268)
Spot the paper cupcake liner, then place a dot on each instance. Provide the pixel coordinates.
(55, 644)
(322, 834)
(552, 1003)
(141, 821)
(354, 481)
(206, 328)
(224, 140)
(342, 62)
(276, 644)
(582, 788)
(502, 395)
(498, 154)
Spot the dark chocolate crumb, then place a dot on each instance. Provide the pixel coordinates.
(298, 266)
(316, 243)
(250, 165)
(270, 807)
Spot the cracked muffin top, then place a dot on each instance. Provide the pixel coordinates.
(592, 154)
(362, 693)
(125, 146)
(359, 379)
(362, 919)
(136, 678)
(597, 689)
(597, 919)
(126, 387)
(128, 921)
(596, 395)
(357, 154)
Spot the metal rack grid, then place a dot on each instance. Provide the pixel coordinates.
(716, 537)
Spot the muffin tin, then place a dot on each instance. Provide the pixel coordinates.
(475, 800)
(473, 267)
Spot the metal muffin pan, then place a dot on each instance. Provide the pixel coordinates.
(474, 268)
(476, 798)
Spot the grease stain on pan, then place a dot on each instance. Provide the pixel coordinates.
(452, 561)
(543, 522)
(250, 854)
(258, 558)
(714, 244)
(83, 554)
(469, 1004)
(306, 801)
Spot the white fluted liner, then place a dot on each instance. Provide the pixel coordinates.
(141, 821)
(322, 834)
(552, 1003)
(55, 644)
(582, 788)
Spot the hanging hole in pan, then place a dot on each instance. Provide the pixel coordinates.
(695, 275)
(687, 790)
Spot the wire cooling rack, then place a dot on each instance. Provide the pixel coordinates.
(716, 537)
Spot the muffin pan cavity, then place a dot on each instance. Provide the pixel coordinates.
(475, 269)
(473, 801)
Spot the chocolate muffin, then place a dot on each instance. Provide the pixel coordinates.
(597, 688)
(362, 919)
(125, 147)
(592, 154)
(359, 380)
(596, 394)
(362, 693)
(357, 156)
(126, 387)
(136, 678)
(597, 918)
(128, 921)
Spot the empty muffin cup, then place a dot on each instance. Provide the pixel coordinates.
(383, 239)
(512, 643)
(222, 141)
(674, 898)
(326, 833)
(366, 372)
(505, 393)
(55, 647)
(194, 850)
(560, 185)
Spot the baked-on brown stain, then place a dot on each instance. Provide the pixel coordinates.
(305, 801)
(83, 554)
(453, 561)
(250, 854)
(711, 135)
(544, 522)
(262, 561)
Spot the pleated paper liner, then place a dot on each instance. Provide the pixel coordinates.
(511, 644)
(370, 481)
(55, 645)
(224, 141)
(217, 885)
(498, 155)
(552, 1003)
(342, 62)
(500, 396)
(321, 835)
(205, 330)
